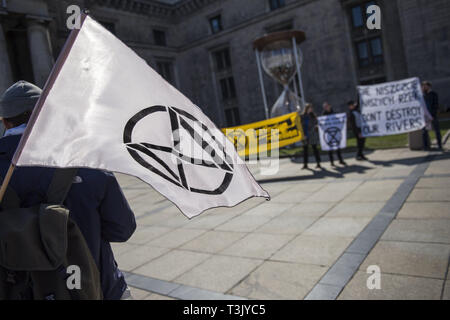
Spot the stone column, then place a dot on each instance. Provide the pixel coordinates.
(5, 67)
(40, 51)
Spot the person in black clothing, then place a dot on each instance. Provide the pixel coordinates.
(311, 135)
(432, 101)
(327, 110)
(354, 121)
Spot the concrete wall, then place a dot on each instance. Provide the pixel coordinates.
(426, 35)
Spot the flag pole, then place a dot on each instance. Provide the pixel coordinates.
(6, 181)
(36, 110)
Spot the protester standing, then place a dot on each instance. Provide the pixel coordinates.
(311, 135)
(355, 123)
(95, 200)
(327, 110)
(432, 102)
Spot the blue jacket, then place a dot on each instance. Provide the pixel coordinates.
(96, 204)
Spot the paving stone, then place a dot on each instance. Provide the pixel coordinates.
(145, 234)
(343, 269)
(279, 281)
(139, 294)
(393, 287)
(410, 258)
(153, 218)
(323, 292)
(442, 194)
(275, 188)
(333, 192)
(176, 221)
(374, 191)
(257, 245)
(420, 230)
(287, 225)
(120, 248)
(243, 224)
(219, 273)
(365, 241)
(434, 182)
(446, 295)
(396, 171)
(291, 196)
(319, 250)
(172, 264)
(269, 210)
(213, 241)
(155, 296)
(337, 227)
(308, 210)
(176, 238)
(190, 293)
(150, 284)
(425, 210)
(139, 256)
(307, 187)
(209, 221)
(355, 209)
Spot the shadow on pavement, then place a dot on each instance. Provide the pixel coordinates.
(412, 161)
(354, 168)
(324, 173)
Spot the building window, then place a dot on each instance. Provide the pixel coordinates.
(276, 4)
(369, 52)
(222, 60)
(216, 24)
(159, 37)
(165, 69)
(359, 14)
(232, 117)
(226, 86)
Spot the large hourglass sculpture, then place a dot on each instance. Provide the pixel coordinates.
(281, 58)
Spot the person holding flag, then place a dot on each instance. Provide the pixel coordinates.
(85, 119)
(95, 200)
(327, 110)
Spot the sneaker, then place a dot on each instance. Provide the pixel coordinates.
(332, 164)
(364, 157)
(343, 163)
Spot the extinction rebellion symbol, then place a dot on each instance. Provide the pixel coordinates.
(332, 136)
(179, 119)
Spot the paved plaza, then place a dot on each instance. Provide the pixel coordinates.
(314, 240)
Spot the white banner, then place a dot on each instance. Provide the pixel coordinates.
(107, 109)
(333, 131)
(392, 108)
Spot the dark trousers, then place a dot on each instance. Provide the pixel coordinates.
(338, 152)
(305, 153)
(360, 143)
(426, 137)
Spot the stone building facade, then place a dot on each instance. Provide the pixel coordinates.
(204, 47)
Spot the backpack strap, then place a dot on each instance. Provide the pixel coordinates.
(60, 185)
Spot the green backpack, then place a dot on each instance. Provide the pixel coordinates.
(43, 254)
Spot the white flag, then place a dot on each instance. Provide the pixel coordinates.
(104, 107)
(333, 131)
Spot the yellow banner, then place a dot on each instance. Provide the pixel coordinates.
(263, 136)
